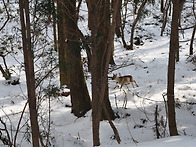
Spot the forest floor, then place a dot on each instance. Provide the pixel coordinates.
(148, 65)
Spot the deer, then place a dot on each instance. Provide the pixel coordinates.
(122, 80)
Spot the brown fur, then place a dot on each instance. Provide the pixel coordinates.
(124, 80)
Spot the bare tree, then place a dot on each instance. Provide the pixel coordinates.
(135, 22)
(102, 49)
(174, 44)
(165, 15)
(29, 69)
(193, 33)
(192, 39)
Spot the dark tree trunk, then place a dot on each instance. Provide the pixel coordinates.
(102, 49)
(192, 39)
(62, 45)
(135, 22)
(80, 98)
(162, 6)
(181, 4)
(174, 44)
(118, 21)
(29, 69)
(165, 14)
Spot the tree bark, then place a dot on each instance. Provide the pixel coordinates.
(29, 69)
(100, 62)
(62, 45)
(135, 22)
(192, 39)
(80, 98)
(118, 20)
(174, 44)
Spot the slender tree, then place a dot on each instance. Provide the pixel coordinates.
(135, 22)
(29, 69)
(192, 39)
(193, 33)
(165, 15)
(174, 44)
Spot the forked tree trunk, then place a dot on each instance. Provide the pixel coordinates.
(174, 44)
(80, 98)
(29, 69)
(102, 49)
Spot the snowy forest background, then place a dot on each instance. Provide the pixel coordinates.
(57, 67)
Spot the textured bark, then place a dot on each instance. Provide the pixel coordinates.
(62, 45)
(174, 44)
(102, 49)
(80, 98)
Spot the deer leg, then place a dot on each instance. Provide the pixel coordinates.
(135, 83)
(128, 87)
(116, 85)
(132, 84)
(121, 87)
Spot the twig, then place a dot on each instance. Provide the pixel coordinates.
(4, 140)
(135, 141)
(8, 16)
(38, 83)
(116, 101)
(17, 130)
(125, 100)
(165, 102)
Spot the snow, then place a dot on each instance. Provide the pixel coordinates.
(148, 66)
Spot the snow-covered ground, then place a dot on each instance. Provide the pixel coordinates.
(136, 124)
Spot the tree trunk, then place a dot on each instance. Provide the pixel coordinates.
(192, 39)
(165, 14)
(135, 6)
(181, 4)
(135, 22)
(118, 20)
(62, 45)
(29, 69)
(80, 98)
(54, 26)
(174, 44)
(102, 49)
(162, 6)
